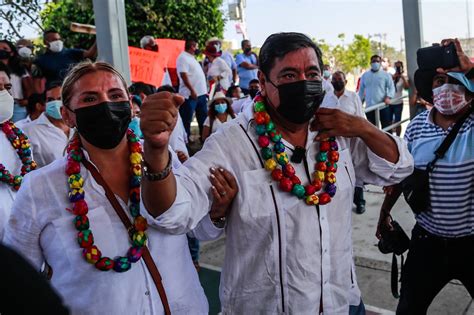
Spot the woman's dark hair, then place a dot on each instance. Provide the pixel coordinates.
(141, 87)
(231, 90)
(166, 88)
(212, 113)
(280, 44)
(4, 68)
(14, 64)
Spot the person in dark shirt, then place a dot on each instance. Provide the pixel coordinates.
(23, 290)
(57, 60)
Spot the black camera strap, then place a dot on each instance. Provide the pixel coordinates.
(443, 148)
(394, 275)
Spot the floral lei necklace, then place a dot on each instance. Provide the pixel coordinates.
(276, 161)
(85, 238)
(21, 144)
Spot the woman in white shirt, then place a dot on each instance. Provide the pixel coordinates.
(62, 204)
(220, 111)
(217, 69)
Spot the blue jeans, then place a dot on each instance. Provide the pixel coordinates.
(395, 112)
(357, 309)
(193, 244)
(187, 110)
(385, 119)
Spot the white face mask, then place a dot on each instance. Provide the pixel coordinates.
(449, 98)
(25, 52)
(56, 46)
(6, 106)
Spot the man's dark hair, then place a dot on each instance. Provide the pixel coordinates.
(49, 31)
(243, 42)
(5, 69)
(254, 81)
(375, 56)
(280, 44)
(188, 43)
(53, 84)
(341, 73)
(166, 88)
(140, 87)
(34, 99)
(231, 90)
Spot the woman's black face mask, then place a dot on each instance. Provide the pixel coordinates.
(299, 100)
(104, 125)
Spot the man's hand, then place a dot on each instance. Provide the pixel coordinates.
(465, 64)
(194, 96)
(334, 123)
(386, 100)
(384, 224)
(224, 189)
(182, 156)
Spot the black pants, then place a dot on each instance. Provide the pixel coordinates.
(359, 196)
(385, 119)
(431, 263)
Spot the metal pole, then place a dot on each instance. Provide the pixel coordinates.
(112, 39)
(412, 22)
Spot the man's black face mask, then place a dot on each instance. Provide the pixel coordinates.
(299, 100)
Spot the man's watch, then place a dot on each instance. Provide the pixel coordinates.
(219, 222)
(159, 175)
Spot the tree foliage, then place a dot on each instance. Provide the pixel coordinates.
(16, 13)
(197, 19)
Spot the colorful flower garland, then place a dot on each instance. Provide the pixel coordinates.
(85, 238)
(281, 169)
(21, 144)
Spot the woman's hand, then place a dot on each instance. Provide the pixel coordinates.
(224, 189)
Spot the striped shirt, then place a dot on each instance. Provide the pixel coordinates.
(452, 180)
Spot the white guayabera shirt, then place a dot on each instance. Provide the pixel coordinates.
(40, 228)
(281, 255)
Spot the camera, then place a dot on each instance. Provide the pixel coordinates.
(394, 241)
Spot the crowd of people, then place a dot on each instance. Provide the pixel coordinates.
(91, 167)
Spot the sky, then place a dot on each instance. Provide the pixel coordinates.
(325, 19)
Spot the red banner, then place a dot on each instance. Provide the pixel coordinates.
(171, 48)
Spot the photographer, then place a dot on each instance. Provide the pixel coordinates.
(400, 81)
(442, 243)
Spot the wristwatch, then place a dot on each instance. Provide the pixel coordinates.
(159, 175)
(219, 222)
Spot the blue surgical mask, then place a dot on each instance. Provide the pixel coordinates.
(375, 66)
(53, 109)
(135, 126)
(221, 108)
(326, 74)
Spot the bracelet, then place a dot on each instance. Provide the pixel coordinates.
(219, 222)
(159, 175)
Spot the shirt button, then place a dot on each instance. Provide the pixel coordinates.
(326, 250)
(147, 293)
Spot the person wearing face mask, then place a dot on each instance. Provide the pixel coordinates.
(442, 242)
(192, 87)
(220, 112)
(63, 215)
(57, 60)
(22, 84)
(247, 65)
(36, 106)
(218, 71)
(288, 231)
(49, 134)
(16, 158)
(400, 81)
(327, 86)
(376, 86)
(254, 87)
(349, 102)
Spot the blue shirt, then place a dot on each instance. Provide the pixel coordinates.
(246, 75)
(375, 86)
(54, 66)
(452, 180)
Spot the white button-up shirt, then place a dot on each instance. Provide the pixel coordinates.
(41, 229)
(48, 141)
(9, 158)
(281, 254)
(349, 102)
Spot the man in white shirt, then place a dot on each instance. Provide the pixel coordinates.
(327, 86)
(36, 106)
(192, 86)
(283, 255)
(49, 134)
(347, 101)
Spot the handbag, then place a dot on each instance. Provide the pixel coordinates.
(150, 264)
(416, 187)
